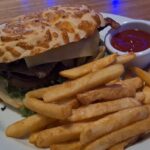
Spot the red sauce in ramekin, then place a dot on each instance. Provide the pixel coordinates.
(131, 40)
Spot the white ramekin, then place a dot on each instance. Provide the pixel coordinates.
(143, 57)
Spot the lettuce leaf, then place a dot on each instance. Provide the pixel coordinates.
(15, 92)
(25, 112)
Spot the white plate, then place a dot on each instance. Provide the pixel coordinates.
(9, 116)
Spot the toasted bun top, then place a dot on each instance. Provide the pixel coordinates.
(36, 33)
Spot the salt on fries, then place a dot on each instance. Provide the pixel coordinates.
(95, 111)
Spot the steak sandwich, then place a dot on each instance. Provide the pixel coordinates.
(34, 48)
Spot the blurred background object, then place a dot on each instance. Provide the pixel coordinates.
(130, 8)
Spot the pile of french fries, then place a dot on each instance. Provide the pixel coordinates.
(95, 110)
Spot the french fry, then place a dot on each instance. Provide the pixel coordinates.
(26, 126)
(113, 81)
(60, 134)
(73, 103)
(100, 109)
(109, 92)
(33, 137)
(113, 122)
(48, 109)
(146, 91)
(38, 93)
(125, 88)
(140, 96)
(56, 123)
(120, 146)
(145, 76)
(134, 82)
(87, 68)
(123, 145)
(66, 146)
(101, 52)
(118, 136)
(89, 81)
(123, 59)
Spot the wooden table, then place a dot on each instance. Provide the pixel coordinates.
(131, 8)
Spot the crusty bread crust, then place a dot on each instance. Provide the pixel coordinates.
(32, 34)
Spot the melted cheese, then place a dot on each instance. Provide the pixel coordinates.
(83, 48)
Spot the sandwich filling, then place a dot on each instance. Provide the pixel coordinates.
(34, 48)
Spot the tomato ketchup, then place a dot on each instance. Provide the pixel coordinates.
(132, 40)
